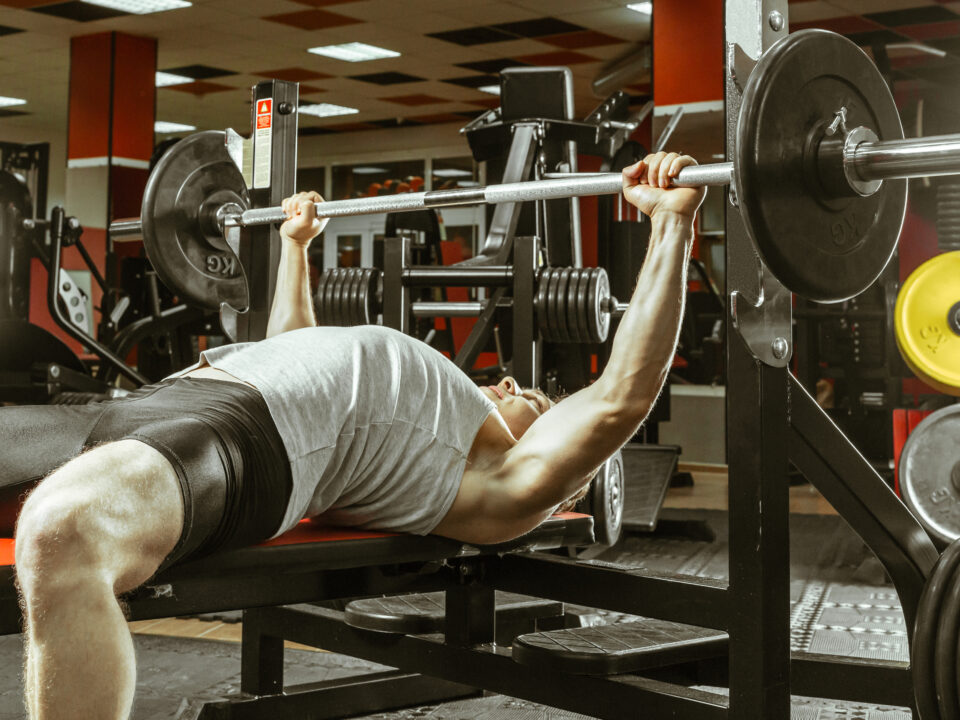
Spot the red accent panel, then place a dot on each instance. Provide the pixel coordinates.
(588, 214)
(7, 546)
(900, 433)
(452, 253)
(89, 132)
(687, 56)
(134, 97)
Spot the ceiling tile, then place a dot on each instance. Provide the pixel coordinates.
(24, 3)
(7, 112)
(843, 25)
(324, 3)
(386, 78)
(293, 74)
(199, 72)
(932, 30)
(876, 36)
(312, 19)
(475, 81)
(311, 90)
(538, 27)
(491, 66)
(5, 30)
(559, 57)
(79, 11)
(473, 35)
(913, 16)
(581, 39)
(414, 100)
(200, 87)
(436, 118)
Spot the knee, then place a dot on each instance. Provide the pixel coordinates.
(54, 545)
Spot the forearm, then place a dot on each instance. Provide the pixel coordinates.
(646, 340)
(292, 307)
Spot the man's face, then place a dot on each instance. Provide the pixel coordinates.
(518, 408)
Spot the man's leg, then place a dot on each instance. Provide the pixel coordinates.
(99, 526)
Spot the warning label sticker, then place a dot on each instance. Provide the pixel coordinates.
(262, 143)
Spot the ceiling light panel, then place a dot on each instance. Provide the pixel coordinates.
(162, 126)
(492, 89)
(354, 52)
(11, 101)
(327, 110)
(141, 7)
(645, 8)
(165, 79)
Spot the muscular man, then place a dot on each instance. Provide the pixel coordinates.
(365, 425)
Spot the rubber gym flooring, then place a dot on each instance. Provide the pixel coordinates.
(841, 604)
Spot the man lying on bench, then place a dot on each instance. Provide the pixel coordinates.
(366, 425)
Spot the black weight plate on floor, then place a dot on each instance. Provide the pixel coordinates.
(194, 261)
(562, 287)
(945, 652)
(577, 275)
(922, 648)
(825, 249)
(553, 323)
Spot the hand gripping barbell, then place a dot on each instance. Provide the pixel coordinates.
(819, 173)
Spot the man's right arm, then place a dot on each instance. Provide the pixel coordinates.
(566, 445)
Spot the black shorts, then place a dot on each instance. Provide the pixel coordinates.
(219, 437)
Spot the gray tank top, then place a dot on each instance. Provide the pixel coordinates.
(377, 425)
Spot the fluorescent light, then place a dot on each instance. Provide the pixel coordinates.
(368, 170)
(642, 7)
(10, 101)
(492, 89)
(162, 126)
(452, 172)
(353, 52)
(327, 110)
(141, 7)
(165, 79)
(468, 183)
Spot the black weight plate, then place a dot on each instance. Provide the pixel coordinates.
(365, 311)
(343, 297)
(826, 249)
(573, 310)
(945, 652)
(540, 303)
(553, 327)
(562, 286)
(319, 298)
(580, 303)
(329, 292)
(592, 307)
(193, 260)
(356, 297)
(923, 646)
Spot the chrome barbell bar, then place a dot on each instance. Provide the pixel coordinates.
(867, 160)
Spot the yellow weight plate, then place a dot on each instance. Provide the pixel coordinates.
(927, 321)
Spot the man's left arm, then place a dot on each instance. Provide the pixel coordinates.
(292, 307)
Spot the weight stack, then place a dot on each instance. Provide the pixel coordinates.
(948, 215)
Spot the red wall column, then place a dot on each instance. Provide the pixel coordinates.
(109, 143)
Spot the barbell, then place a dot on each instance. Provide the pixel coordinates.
(819, 175)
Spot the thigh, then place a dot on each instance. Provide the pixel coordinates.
(121, 501)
